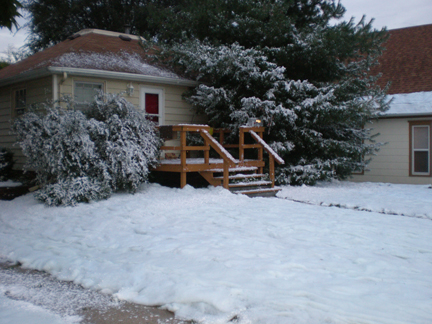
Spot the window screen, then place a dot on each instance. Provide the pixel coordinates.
(85, 92)
(421, 149)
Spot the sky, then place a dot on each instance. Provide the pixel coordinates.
(390, 13)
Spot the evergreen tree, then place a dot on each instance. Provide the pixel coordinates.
(286, 63)
(52, 21)
(9, 13)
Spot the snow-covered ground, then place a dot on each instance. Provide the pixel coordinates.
(216, 257)
(397, 199)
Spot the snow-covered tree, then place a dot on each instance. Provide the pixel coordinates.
(79, 157)
(284, 62)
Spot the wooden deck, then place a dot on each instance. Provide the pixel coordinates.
(226, 164)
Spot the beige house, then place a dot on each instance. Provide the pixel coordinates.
(87, 61)
(406, 127)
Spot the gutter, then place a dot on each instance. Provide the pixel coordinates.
(406, 115)
(33, 74)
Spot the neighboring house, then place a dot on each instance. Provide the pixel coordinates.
(87, 61)
(406, 127)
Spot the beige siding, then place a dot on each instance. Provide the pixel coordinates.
(36, 91)
(177, 111)
(391, 164)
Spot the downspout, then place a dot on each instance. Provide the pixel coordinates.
(55, 88)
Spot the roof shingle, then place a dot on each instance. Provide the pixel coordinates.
(407, 60)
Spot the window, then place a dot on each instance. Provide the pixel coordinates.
(20, 101)
(85, 92)
(152, 104)
(420, 150)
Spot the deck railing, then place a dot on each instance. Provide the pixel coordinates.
(210, 142)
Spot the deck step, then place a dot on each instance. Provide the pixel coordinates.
(250, 184)
(266, 192)
(236, 169)
(243, 176)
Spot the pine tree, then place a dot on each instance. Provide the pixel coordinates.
(286, 63)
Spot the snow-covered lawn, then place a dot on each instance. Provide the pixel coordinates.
(397, 199)
(213, 256)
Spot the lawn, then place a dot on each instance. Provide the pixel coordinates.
(216, 257)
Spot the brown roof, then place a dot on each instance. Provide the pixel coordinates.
(93, 49)
(407, 60)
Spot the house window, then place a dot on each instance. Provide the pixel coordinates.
(420, 147)
(152, 104)
(20, 101)
(85, 92)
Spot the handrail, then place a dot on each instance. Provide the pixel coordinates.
(218, 147)
(226, 156)
(272, 156)
(269, 150)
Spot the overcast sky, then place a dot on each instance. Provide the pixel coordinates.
(390, 13)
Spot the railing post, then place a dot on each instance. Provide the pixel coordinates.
(241, 143)
(271, 170)
(183, 158)
(207, 153)
(225, 175)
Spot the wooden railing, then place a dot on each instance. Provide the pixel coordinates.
(210, 142)
(272, 155)
(228, 159)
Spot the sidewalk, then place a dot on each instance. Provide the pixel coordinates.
(73, 303)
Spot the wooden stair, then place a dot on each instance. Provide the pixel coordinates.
(243, 180)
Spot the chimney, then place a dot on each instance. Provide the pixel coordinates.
(127, 28)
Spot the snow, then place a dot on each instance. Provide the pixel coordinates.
(410, 103)
(10, 183)
(213, 256)
(17, 312)
(387, 198)
(120, 62)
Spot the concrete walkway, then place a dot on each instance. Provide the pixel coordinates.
(68, 299)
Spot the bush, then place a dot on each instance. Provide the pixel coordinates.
(84, 156)
(6, 163)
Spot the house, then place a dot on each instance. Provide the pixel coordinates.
(97, 60)
(406, 126)
(87, 61)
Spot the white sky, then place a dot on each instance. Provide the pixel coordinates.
(390, 13)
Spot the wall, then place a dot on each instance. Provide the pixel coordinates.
(36, 91)
(177, 111)
(391, 164)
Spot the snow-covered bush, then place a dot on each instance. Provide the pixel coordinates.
(80, 157)
(127, 143)
(6, 163)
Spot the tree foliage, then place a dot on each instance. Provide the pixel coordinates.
(286, 63)
(52, 21)
(9, 13)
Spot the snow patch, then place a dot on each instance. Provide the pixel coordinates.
(119, 62)
(410, 103)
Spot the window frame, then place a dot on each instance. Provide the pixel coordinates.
(412, 150)
(84, 105)
(14, 111)
(160, 92)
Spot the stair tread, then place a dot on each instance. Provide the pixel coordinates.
(258, 190)
(250, 184)
(233, 169)
(243, 176)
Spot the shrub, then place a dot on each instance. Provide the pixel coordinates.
(84, 156)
